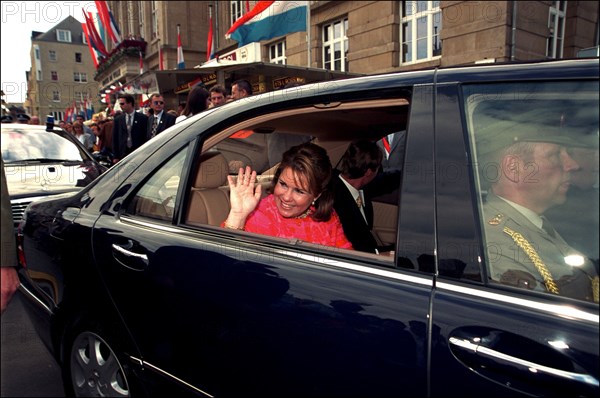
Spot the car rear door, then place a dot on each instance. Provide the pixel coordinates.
(490, 339)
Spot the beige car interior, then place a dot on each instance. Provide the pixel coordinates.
(331, 126)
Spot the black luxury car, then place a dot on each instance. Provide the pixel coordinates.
(138, 290)
(39, 163)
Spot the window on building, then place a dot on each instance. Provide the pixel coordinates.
(58, 115)
(37, 53)
(556, 28)
(52, 55)
(78, 57)
(63, 35)
(421, 24)
(154, 32)
(335, 45)
(39, 75)
(56, 96)
(78, 96)
(54, 75)
(236, 10)
(80, 77)
(277, 53)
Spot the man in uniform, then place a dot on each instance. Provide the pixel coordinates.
(534, 172)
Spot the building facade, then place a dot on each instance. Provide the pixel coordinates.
(62, 71)
(363, 37)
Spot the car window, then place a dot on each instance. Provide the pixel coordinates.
(261, 142)
(536, 152)
(156, 198)
(22, 145)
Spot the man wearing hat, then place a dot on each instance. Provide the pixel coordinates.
(533, 175)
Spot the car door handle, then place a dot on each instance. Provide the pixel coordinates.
(521, 363)
(130, 259)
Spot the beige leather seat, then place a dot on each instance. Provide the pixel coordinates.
(209, 203)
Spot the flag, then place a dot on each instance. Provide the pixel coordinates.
(180, 61)
(100, 28)
(141, 63)
(269, 19)
(109, 22)
(210, 45)
(94, 37)
(161, 65)
(89, 108)
(92, 51)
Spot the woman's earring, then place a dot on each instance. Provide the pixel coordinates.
(314, 201)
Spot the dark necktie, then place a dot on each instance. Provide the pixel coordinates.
(129, 123)
(154, 126)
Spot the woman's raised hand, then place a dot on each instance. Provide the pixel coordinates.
(244, 194)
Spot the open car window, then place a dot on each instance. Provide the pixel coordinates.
(260, 142)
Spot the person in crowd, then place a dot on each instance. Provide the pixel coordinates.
(524, 249)
(299, 204)
(129, 129)
(68, 127)
(87, 140)
(106, 129)
(81, 118)
(9, 279)
(96, 131)
(22, 118)
(197, 101)
(160, 120)
(218, 95)
(392, 146)
(241, 89)
(358, 167)
(172, 112)
(34, 120)
(180, 108)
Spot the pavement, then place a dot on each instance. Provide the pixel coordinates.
(26, 367)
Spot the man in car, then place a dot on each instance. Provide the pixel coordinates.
(534, 172)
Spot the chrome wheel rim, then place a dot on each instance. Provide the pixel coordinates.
(95, 369)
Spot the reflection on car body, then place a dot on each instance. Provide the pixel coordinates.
(180, 305)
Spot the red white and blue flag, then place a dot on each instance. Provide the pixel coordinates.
(210, 44)
(108, 20)
(180, 61)
(269, 19)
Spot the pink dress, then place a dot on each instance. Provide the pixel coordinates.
(266, 220)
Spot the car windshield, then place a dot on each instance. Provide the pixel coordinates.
(38, 146)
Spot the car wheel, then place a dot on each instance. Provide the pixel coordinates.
(93, 368)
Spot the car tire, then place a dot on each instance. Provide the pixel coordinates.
(92, 365)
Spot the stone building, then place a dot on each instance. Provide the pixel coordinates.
(358, 37)
(62, 71)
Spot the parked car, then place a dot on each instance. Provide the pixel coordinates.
(138, 290)
(39, 163)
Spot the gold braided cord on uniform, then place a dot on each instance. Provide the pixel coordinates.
(535, 259)
(596, 289)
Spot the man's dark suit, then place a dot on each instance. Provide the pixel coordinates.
(357, 230)
(138, 134)
(166, 121)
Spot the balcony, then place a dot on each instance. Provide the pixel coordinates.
(127, 53)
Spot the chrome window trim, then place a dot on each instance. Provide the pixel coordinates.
(35, 299)
(562, 310)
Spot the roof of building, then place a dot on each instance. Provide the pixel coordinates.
(70, 24)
